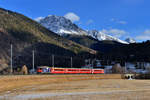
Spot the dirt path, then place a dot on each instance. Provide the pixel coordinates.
(116, 95)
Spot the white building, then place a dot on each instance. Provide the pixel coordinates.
(138, 67)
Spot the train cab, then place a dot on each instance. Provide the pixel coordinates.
(43, 69)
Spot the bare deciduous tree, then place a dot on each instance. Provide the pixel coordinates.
(24, 70)
(117, 69)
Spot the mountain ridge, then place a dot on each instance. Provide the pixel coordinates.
(62, 26)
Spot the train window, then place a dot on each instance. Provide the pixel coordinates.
(72, 70)
(46, 70)
(84, 70)
(97, 70)
(58, 69)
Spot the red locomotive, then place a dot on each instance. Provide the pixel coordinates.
(52, 70)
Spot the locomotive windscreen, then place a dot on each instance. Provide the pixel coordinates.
(46, 70)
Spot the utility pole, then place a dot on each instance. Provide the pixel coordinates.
(11, 59)
(53, 60)
(92, 63)
(89, 61)
(107, 62)
(125, 67)
(33, 60)
(89, 65)
(71, 62)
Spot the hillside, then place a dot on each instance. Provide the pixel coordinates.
(115, 51)
(104, 46)
(26, 35)
(132, 52)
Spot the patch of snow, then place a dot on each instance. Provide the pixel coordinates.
(102, 36)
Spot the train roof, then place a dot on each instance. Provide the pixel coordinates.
(63, 68)
(43, 67)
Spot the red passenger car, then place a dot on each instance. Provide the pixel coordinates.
(53, 70)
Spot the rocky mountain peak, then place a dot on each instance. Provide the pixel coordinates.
(62, 26)
(130, 40)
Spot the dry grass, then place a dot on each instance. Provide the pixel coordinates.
(8, 83)
(76, 87)
(104, 90)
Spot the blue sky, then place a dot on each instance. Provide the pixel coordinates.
(120, 18)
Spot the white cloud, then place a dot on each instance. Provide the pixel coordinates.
(122, 22)
(144, 36)
(38, 19)
(115, 32)
(72, 16)
(89, 22)
(118, 21)
(146, 32)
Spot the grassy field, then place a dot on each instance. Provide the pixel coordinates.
(8, 83)
(73, 87)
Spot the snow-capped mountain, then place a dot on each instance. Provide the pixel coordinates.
(130, 40)
(62, 26)
(102, 36)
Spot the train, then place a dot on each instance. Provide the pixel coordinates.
(54, 70)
